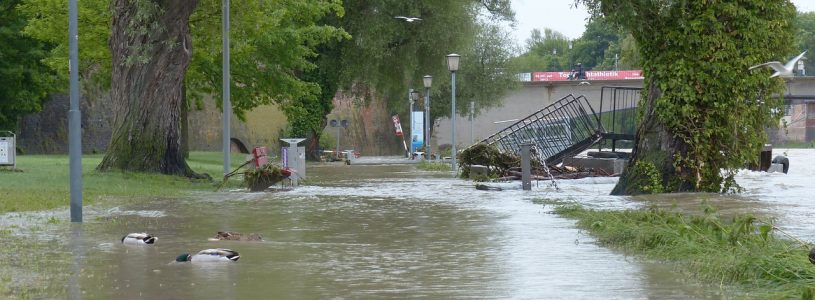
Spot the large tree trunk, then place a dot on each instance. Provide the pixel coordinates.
(651, 167)
(150, 59)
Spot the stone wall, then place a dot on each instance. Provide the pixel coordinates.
(47, 132)
(370, 130)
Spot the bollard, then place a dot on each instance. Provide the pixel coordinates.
(526, 167)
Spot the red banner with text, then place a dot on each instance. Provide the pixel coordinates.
(590, 75)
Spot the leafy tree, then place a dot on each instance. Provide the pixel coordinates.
(46, 23)
(150, 51)
(703, 115)
(592, 48)
(547, 51)
(805, 24)
(24, 81)
(595, 49)
(387, 56)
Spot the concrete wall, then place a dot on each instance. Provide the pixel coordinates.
(371, 131)
(518, 104)
(262, 127)
(533, 96)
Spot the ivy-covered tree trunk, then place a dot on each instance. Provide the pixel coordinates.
(151, 49)
(704, 113)
(651, 168)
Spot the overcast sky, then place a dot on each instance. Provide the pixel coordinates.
(561, 16)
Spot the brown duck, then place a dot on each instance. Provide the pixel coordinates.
(236, 236)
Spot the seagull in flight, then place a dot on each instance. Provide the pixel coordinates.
(781, 70)
(408, 19)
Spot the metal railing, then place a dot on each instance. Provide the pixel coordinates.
(618, 114)
(562, 129)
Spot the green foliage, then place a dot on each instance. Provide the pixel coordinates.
(805, 26)
(697, 55)
(425, 165)
(595, 49)
(24, 80)
(389, 56)
(272, 44)
(740, 253)
(652, 178)
(47, 21)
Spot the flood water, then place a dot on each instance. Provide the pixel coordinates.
(359, 232)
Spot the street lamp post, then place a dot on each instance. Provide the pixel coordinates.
(338, 124)
(410, 114)
(428, 80)
(414, 96)
(227, 105)
(74, 116)
(452, 65)
(472, 114)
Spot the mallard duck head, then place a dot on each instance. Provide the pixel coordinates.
(184, 257)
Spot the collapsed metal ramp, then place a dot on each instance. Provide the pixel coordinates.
(560, 130)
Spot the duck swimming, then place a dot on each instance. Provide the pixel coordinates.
(235, 236)
(139, 238)
(210, 255)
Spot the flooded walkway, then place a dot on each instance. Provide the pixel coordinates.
(366, 232)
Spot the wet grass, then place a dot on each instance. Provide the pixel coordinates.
(433, 166)
(748, 257)
(44, 183)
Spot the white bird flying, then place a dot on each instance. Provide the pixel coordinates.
(781, 70)
(408, 19)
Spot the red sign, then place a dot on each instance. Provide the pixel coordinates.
(590, 75)
(397, 125)
(261, 156)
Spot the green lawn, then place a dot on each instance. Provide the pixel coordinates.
(44, 182)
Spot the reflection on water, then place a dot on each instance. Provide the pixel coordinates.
(368, 232)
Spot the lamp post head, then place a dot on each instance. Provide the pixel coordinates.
(452, 62)
(428, 81)
(414, 95)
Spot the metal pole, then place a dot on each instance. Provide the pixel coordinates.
(526, 168)
(427, 122)
(453, 118)
(410, 92)
(227, 105)
(337, 154)
(74, 116)
(472, 113)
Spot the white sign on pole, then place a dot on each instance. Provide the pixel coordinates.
(8, 151)
(418, 133)
(4, 153)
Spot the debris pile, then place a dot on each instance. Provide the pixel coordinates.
(484, 162)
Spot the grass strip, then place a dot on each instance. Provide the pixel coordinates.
(742, 252)
(44, 183)
(425, 165)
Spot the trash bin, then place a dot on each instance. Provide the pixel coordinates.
(8, 150)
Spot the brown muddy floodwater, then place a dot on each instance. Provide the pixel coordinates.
(361, 232)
